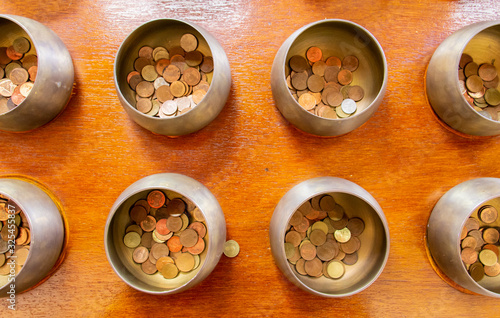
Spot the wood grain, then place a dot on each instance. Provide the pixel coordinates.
(249, 157)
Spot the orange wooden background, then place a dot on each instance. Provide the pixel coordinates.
(249, 157)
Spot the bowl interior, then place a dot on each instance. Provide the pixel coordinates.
(166, 33)
(371, 255)
(484, 47)
(341, 39)
(121, 256)
(490, 283)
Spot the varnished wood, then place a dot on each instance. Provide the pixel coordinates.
(249, 157)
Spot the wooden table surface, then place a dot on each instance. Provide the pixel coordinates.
(249, 157)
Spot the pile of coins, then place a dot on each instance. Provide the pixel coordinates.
(322, 238)
(167, 234)
(15, 239)
(169, 83)
(17, 73)
(479, 85)
(479, 243)
(322, 85)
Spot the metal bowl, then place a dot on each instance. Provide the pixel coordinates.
(47, 229)
(482, 42)
(120, 257)
(340, 38)
(167, 32)
(357, 202)
(54, 82)
(445, 225)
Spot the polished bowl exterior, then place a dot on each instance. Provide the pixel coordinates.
(54, 82)
(46, 227)
(445, 225)
(482, 42)
(119, 256)
(167, 32)
(339, 38)
(357, 202)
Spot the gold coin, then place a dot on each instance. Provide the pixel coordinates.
(21, 254)
(342, 235)
(335, 269)
(162, 261)
(231, 248)
(289, 250)
(185, 262)
(319, 225)
(169, 271)
(488, 257)
(132, 239)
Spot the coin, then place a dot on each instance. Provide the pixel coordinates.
(474, 83)
(344, 77)
(298, 63)
(327, 251)
(140, 254)
(487, 72)
(488, 257)
(350, 63)
(169, 271)
(314, 54)
(185, 262)
(138, 214)
(471, 224)
(348, 106)
(156, 199)
(492, 96)
(231, 248)
(469, 255)
(189, 42)
(350, 259)
(313, 267)
(491, 235)
(307, 251)
(335, 269)
(317, 237)
(476, 271)
(470, 242)
(493, 270)
(356, 93)
(307, 101)
(188, 237)
(470, 69)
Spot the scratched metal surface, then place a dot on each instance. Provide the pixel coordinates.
(249, 157)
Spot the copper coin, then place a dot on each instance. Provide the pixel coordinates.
(313, 267)
(22, 237)
(148, 224)
(319, 68)
(19, 76)
(478, 235)
(471, 224)
(198, 96)
(351, 246)
(145, 89)
(192, 76)
(298, 63)
(134, 228)
(488, 214)
(296, 218)
(134, 81)
(350, 63)
(492, 84)
(299, 80)
(314, 54)
(327, 251)
(302, 227)
(33, 72)
(17, 98)
(356, 226)
(307, 251)
(331, 73)
(207, 65)
(194, 58)
(140, 254)
(493, 270)
(350, 259)
(300, 267)
(174, 244)
(199, 228)
(493, 248)
(470, 242)
(491, 235)
(148, 267)
(21, 45)
(334, 61)
(163, 94)
(177, 89)
(293, 237)
(464, 60)
(313, 214)
(144, 105)
(356, 93)
(317, 237)
(146, 52)
(176, 207)
(198, 248)
(474, 83)
(470, 69)
(189, 42)
(315, 83)
(12, 54)
(344, 77)
(476, 271)
(174, 223)
(147, 239)
(307, 101)
(334, 99)
(159, 250)
(171, 73)
(140, 63)
(469, 255)
(138, 214)
(487, 72)
(179, 61)
(161, 227)
(188, 237)
(340, 224)
(337, 213)
(463, 233)
(156, 199)
(161, 65)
